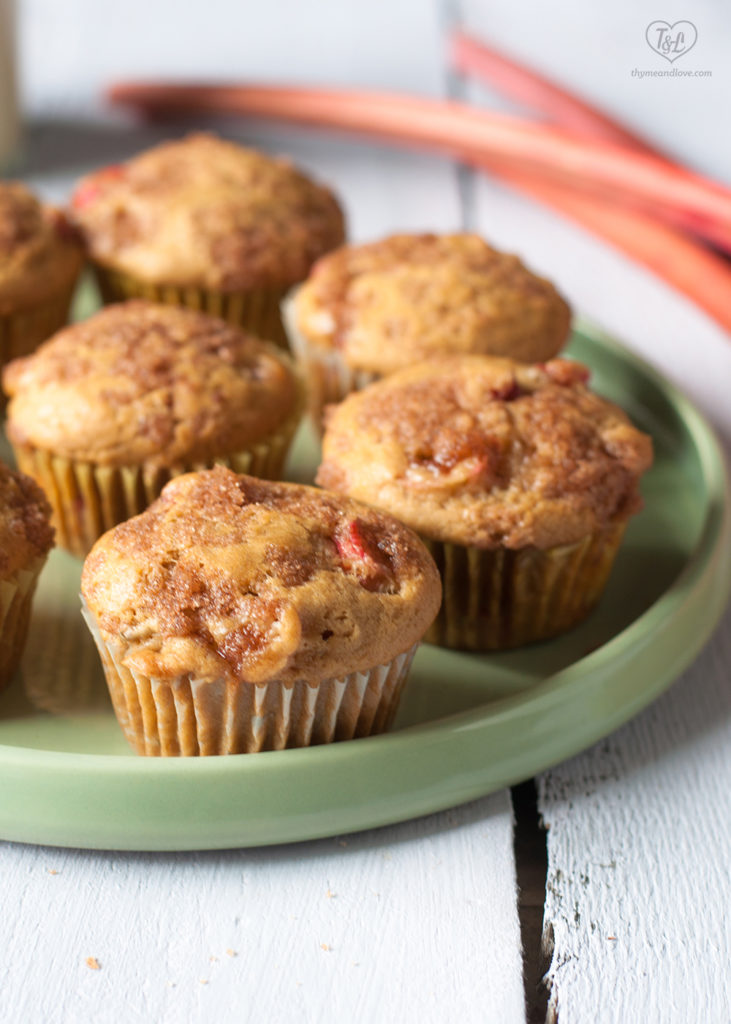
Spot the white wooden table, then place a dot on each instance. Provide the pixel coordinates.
(418, 921)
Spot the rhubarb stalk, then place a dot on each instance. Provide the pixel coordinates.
(520, 83)
(517, 82)
(688, 267)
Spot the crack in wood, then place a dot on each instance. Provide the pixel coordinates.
(531, 865)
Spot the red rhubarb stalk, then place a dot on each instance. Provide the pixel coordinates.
(684, 264)
(520, 83)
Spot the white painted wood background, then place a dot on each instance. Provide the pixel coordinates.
(418, 921)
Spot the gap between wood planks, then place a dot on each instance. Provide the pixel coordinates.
(531, 866)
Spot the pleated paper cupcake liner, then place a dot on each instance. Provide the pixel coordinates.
(16, 598)
(23, 331)
(497, 599)
(188, 717)
(88, 499)
(257, 310)
(328, 377)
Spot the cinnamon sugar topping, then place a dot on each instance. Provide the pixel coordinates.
(204, 212)
(141, 382)
(391, 303)
(229, 575)
(487, 452)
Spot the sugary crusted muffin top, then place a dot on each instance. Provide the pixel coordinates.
(39, 251)
(488, 452)
(200, 211)
(394, 302)
(26, 533)
(146, 383)
(227, 575)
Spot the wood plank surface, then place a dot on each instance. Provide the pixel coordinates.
(413, 922)
(639, 844)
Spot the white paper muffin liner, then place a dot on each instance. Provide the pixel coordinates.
(23, 330)
(256, 310)
(499, 599)
(16, 598)
(186, 716)
(328, 377)
(88, 499)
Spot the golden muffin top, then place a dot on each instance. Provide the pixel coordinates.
(487, 452)
(406, 298)
(229, 576)
(145, 383)
(40, 253)
(203, 212)
(26, 533)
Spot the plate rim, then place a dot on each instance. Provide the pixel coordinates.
(701, 572)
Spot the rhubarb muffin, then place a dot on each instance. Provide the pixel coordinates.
(205, 223)
(520, 480)
(370, 310)
(26, 537)
(40, 261)
(237, 615)
(108, 410)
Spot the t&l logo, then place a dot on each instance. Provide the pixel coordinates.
(671, 41)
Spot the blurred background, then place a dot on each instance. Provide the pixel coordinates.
(69, 51)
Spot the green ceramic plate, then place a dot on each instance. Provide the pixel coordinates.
(468, 724)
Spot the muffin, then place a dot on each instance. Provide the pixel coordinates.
(108, 410)
(519, 479)
(26, 537)
(205, 223)
(237, 615)
(370, 310)
(40, 261)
